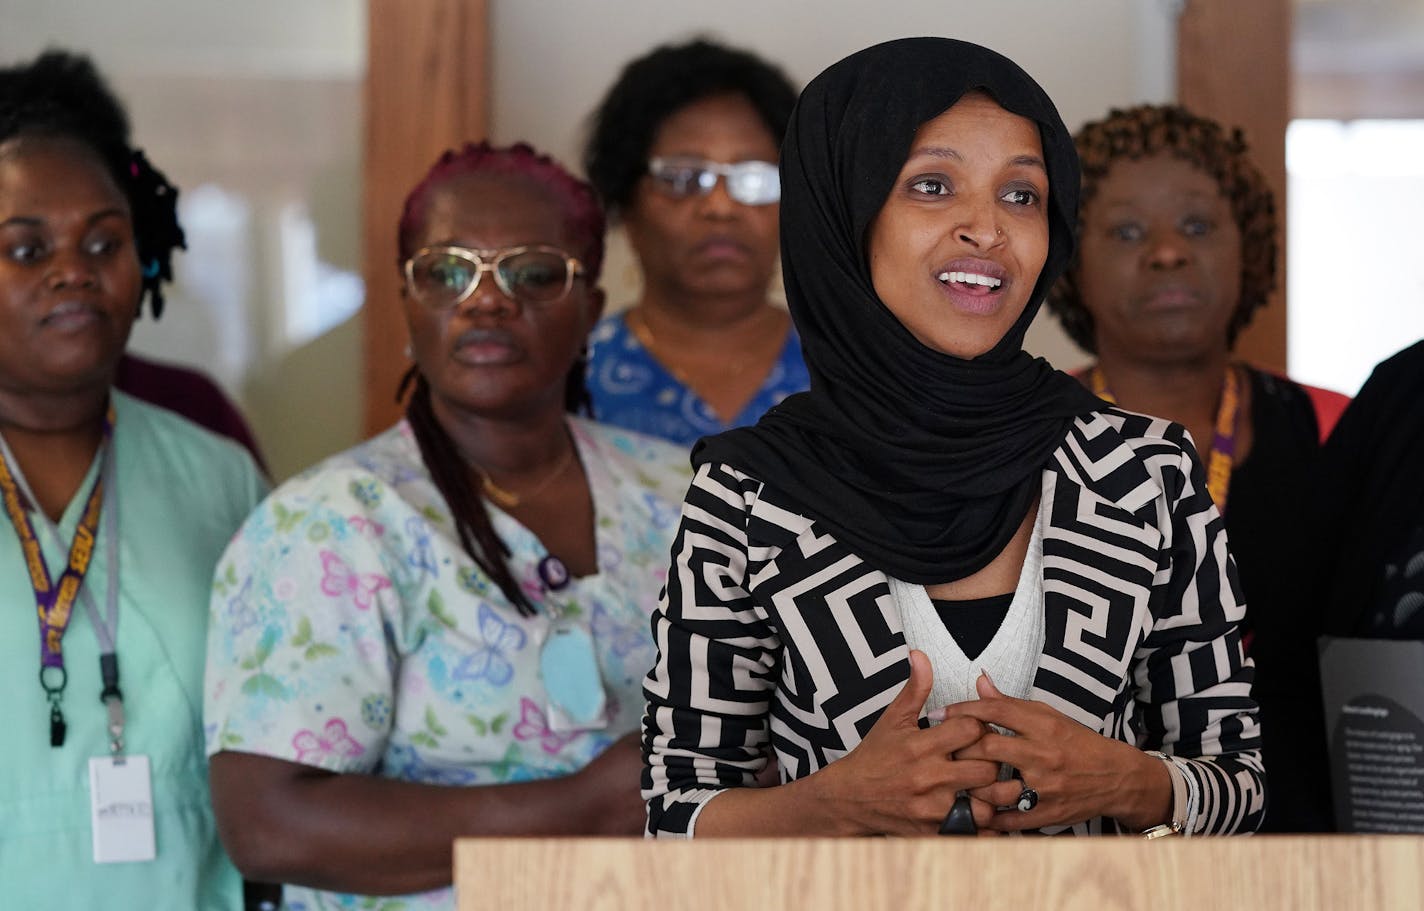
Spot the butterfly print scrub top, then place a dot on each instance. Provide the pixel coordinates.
(351, 632)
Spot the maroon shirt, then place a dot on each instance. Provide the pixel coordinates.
(188, 393)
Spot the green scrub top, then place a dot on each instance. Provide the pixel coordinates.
(181, 492)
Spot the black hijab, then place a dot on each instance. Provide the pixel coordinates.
(922, 463)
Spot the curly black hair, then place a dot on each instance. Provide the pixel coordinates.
(659, 84)
(61, 94)
(1148, 130)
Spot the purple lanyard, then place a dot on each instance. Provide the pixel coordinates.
(54, 602)
(1221, 460)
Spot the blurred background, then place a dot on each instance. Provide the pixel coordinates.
(284, 123)
(253, 110)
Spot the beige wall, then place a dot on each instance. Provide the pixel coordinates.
(252, 108)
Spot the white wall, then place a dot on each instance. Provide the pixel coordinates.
(553, 59)
(264, 38)
(1356, 182)
(1354, 186)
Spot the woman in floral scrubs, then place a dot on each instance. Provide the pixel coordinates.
(443, 632)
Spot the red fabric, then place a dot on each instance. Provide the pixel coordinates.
(1328, 407)
(188, 393)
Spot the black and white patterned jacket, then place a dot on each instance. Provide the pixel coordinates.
(769, 627)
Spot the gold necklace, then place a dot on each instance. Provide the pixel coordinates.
(509, 499)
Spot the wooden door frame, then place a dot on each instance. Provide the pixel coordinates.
(1233, 65)
(427, 90)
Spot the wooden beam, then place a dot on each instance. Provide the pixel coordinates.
(1233, 65)
(427, 90)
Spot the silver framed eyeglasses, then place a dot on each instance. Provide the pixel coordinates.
(751, 183)
(442, 277)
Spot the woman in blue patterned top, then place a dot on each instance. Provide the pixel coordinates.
(684, 152)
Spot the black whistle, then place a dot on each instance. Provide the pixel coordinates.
(57, 727)
(960, 819)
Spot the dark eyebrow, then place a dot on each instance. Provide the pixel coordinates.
(32, 221)
(1031, 161)
(1191, 195)
(937, 152)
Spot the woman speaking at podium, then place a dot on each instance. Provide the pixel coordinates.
(948, 588)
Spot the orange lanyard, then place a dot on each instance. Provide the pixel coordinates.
(1222, 458)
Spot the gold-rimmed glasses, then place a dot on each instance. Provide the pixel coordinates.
(443, 277)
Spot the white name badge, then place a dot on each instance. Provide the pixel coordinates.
(121, 809)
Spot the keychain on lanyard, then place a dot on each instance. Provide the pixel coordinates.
(54, 602)
(568, 661)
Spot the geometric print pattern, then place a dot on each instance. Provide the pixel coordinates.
(774, 636)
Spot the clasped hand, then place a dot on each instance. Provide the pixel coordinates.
(902, 779)
(1077, 773)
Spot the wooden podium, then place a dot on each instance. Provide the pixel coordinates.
(1261, 873)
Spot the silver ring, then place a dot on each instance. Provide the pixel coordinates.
(1028, 799)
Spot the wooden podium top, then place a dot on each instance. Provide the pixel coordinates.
(1094, 874)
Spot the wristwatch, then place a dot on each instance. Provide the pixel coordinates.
(1165, 830)
(1186, 801)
